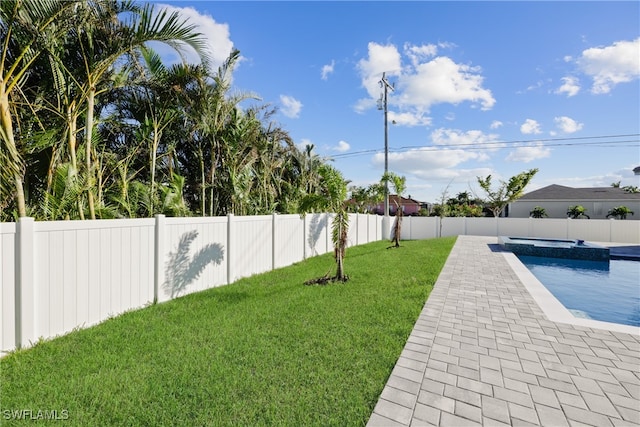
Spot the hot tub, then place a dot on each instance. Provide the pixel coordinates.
(554, 248)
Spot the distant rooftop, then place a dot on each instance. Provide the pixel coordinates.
(561, 192)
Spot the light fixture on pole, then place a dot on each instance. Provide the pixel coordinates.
(382, 105)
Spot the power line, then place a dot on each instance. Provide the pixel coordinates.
(493, 145)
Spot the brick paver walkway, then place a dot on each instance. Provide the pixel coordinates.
(483, 352)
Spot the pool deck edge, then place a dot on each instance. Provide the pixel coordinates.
(552, 308)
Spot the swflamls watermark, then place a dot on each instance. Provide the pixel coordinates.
(35, 414)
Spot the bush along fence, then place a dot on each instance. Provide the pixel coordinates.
(60, 275)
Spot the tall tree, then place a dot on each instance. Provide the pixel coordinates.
(507, 192)
(27, 29)
(109, 30)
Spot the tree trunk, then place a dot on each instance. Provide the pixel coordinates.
(203, 193)
(7, 130)
(398, 227)
(154, 156)
(88, 136)
(72, 123)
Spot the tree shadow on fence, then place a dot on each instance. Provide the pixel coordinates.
(182, 269)
(316, 225)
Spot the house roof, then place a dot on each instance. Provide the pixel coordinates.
(560, 192)
(393, 198)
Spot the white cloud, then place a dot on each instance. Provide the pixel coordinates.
(530, 126)
(328, 69)
(570, 86)
(380, 59)
(302, 145)
(528, 154)
(216, 37)
(611, 65)
(567, 124)
(423, 80)
(443, 81)
(472, 138)
(364, 104)
(417, 161)
(342, 147)
(495, 124)
(408, 119)
(416, 54)
(291, 107)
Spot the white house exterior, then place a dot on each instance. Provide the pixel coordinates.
(556, 200)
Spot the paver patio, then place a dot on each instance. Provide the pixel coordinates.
(490, 348)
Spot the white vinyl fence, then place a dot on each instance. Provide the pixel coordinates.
(61, 275)
(594, 230)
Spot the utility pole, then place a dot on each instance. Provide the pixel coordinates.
(382, 105)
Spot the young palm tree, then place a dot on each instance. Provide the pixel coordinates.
(576, 212)
(399, 184)
(538, 212)
(331, 198)
(619, 212)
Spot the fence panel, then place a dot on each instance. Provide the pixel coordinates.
(481, 226)
(594, 230)
(625, 231)
(362, 229)
(87, 271)
(420, 227)
(194, 255)
(375, 228)
(550, 228)
(452, 226)
(7, 285)
(318, 235)
(289, 240)
(514, 227)
(251, 245)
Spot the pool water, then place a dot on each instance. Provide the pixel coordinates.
(608, 291)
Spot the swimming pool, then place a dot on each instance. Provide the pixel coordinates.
(608, 291)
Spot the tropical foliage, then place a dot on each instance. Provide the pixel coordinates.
(94, 125)
(497, 199)
(619, 212)
(538, 212)
(331, 197)
(365, 199)
(464, 205)
(577, 212)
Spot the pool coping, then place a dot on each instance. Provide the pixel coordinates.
(552, 307)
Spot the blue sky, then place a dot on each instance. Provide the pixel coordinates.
(480, 87)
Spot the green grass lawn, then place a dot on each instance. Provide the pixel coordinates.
(266, 350)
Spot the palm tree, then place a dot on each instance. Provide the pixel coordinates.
(102, 39)
(576, 212)
(619, 212)
(27, 29)
(538, 212)
(331, 198)
(399, 184)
